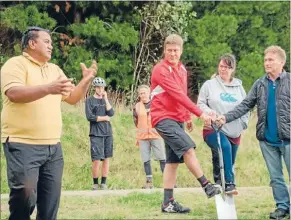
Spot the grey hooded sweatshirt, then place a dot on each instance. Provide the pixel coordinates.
(217, 96)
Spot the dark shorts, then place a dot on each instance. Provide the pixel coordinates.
(101, 147)
(177, 141)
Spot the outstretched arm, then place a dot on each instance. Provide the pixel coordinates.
(81, 89)
(244, 107)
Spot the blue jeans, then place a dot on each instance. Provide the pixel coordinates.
(273, 157)
(229, 151)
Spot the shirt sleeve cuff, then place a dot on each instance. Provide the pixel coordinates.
(10, 85)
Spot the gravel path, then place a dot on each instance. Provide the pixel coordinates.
(125, 192)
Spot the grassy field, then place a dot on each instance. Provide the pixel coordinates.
(253, 203)
(126, 169)
(126, 172)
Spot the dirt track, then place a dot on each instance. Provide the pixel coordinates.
(124, 192)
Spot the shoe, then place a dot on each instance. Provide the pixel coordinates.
(174, 207)
(95, 187)
(211, 190)
(230, 188)
(103, 186)
(279, 214)
(148, 185)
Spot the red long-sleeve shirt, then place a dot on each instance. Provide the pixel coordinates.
(169, 94)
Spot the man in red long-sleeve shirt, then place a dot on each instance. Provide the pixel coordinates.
(170, 108)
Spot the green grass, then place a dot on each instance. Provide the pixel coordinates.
(126, 168)
(253, 203)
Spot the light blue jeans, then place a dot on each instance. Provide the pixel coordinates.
(273, 157)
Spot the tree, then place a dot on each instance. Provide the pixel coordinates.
(242, 28)
(157, 20)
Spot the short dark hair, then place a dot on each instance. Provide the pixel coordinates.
(31, 34)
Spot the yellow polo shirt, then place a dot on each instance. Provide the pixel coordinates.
(38, 122)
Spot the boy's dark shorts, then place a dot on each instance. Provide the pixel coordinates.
(177, 141)
(101, 147)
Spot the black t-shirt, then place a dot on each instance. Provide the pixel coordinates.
(97, 107)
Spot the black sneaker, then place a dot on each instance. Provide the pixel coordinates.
(174, 207)
(211, 190)
(279, 214)
(230, 189)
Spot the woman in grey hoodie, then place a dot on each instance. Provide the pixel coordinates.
(218, 96)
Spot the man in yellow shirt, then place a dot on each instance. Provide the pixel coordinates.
(31, 121)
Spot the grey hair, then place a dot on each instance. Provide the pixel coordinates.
(143, 87)
(174, 39)
(276, 50)
(31, 34)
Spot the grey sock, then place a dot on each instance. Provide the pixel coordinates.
(168, 195)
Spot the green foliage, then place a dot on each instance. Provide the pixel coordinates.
(207, 42)
(245, 29)
(76, 56)
(16, 19)
(111, 44)
(3, 59)
(127, 37)
(250, 68)
(19, 18)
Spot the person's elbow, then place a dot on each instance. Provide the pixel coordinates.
(91, 118)
(71, 100)
(110, 113)
(12, 96)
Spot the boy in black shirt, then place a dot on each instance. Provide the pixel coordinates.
(98, 112)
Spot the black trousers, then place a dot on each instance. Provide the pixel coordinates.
(34, 176)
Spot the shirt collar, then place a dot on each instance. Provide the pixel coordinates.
(172, 65)
(27, 56)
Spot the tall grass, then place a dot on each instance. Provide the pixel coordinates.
(126, 169)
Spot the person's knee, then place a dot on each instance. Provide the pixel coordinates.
(189, 152)
(95, 163)
(172, 166)
(147, 162)
(25, 195)
(277, 180)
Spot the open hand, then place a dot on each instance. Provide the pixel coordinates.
(61, 86)
(89, 72)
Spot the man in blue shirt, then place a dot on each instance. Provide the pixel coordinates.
(271, 94)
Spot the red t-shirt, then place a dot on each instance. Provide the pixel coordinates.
(169, 94)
